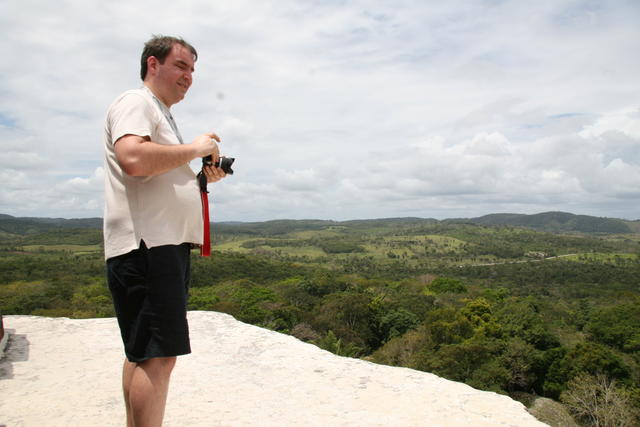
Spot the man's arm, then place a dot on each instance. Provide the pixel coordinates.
(139, 156)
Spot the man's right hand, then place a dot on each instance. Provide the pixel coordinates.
(206, 144)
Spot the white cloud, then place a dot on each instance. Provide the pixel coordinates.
(16, 160)
(493, 145)
(626, 121)
(307, 180)
(80, 185)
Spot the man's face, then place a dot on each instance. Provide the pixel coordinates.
(174, 77)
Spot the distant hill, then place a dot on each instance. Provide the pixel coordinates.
(557, 222)
(554, 222)
(31, 225)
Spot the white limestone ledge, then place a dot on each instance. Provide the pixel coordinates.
(66, 372)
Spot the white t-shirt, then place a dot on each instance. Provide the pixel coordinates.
(161, 210)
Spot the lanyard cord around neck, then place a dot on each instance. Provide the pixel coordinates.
(167, 115)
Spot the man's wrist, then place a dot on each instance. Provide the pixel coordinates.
(193, 151)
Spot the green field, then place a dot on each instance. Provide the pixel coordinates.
(75, 249)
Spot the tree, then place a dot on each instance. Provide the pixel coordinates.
(520, 359)
(521, 318)
(348, 315)
(478, 311)
(617, 326)
(447, 326)
(597, 401)
(335, 345)
(203, 298)
(395, 323)
(460, 361)
(587, 357)
(445, 284)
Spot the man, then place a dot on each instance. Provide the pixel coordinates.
(153, 215)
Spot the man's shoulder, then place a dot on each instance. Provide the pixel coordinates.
(130, 101)
(131, 95)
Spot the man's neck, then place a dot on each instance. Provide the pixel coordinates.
(149, 85)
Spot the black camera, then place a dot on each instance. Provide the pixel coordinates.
(224, 163)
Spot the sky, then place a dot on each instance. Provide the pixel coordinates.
(339, 109)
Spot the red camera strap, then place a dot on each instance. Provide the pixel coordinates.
(205, 249)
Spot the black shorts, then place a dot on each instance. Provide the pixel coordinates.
(150, 290)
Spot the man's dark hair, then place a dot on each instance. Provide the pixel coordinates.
(160, 47)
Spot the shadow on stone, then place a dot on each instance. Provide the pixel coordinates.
(17, 350)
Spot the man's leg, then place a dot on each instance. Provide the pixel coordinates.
(146, 386)
(127, 375)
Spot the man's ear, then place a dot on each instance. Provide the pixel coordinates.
(152, 64)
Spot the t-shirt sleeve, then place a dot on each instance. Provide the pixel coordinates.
(131, 115)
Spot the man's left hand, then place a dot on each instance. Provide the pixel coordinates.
(213, 173)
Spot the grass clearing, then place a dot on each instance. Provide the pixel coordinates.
(601, 257)
(75, 249)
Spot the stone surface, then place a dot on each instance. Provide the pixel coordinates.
(66, 372)
(552, 413)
